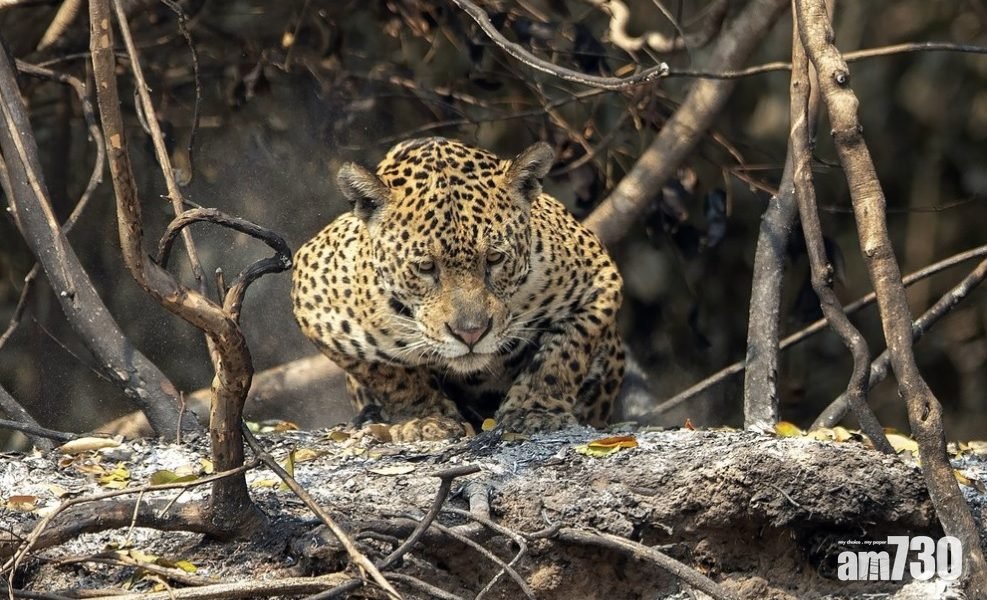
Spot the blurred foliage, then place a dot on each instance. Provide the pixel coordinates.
(291, 89)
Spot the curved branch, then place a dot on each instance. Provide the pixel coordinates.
(476, 13)
(879, 369)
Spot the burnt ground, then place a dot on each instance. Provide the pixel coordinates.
(764, 516)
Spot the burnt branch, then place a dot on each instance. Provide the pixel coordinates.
(233, 296)
(924, 409)
(800, 148)
(482, 19)
(140, 379)
(879, 368)
(231, 357)
(812, 329)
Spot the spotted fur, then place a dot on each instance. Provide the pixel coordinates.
(456, 289)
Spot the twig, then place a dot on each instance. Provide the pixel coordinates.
(879, 369)
(667, 563)
(280, 587)
(34, 430)
(172, 573)
(194, 54)
(649, 75)
(446, 478)
(428, 588)
(160, 150)
(518, 539)
(449, 531)
(812, 329)
(924, 409)
(358, 557)
(63, 18)
(800, 146)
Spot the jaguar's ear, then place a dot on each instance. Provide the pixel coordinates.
(529, 168)
(365, 191)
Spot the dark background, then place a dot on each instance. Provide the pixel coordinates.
(290, 90)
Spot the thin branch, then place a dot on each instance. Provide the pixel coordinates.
(649, 75)
(641, 552)
(810, 330)
(40, 436)
(800, 147)
(879, 369)
(160, 150)
(358, 557)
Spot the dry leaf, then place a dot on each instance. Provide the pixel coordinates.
(165, 476)
(117, 479)
(306, 454)
(688, 425)
(380, 431)
(22, 503)
(487, 424)
(786, 430)
(606, 446)
(339, 436)
(85, 444)
(902, 443)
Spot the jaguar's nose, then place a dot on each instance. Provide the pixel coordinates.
(469, 332)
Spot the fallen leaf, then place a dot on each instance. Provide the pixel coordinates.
(487, 424)
(393, 470)
(339, 436)
(969, 481)
(902, 443)
(380, 431)
(786, 430)
(606, 446)
(85, 444)
(165, 476)
(306, 454)
(688, 425)
(22, 503)
(117, 479)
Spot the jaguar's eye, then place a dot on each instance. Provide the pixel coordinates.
(494, 257)
(425, 267)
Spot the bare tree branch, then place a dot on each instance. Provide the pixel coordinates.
(612, 219)
(119, 360)
(812, 329)
(800, 147)
(476, 13)
(879, 368)
(924, 409)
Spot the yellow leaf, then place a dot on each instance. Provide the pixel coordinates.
(306, 454)
(786, 430)
(969, 481)
(186, 566)
(116, 479)
(393, 470)
(902, 443)
(265, 483)
(843, 434)
(510, 436)
(85, 444)
(597, 452)
(618, 441)
(57, 490)
(487, 424)
(207, 466)
(165, 476)
(339, 436)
